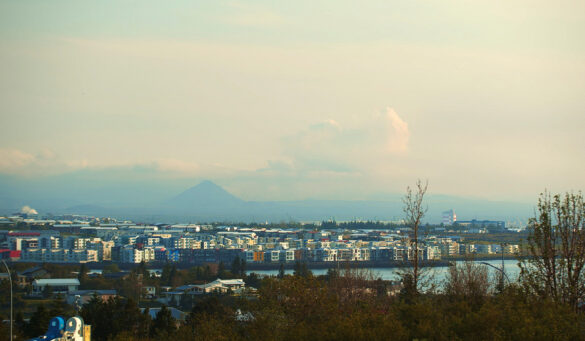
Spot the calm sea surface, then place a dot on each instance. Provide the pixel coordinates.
(439, 273)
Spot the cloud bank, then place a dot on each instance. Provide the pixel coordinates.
(344, 148)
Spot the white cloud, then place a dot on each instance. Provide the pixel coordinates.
(45, 161)
(332, 146)
(398, 138)
(178, 166)
(12, 160)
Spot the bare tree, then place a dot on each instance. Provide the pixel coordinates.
(555, 268)
(414, 212)
(468, 280)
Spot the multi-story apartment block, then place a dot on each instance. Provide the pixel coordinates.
(344, 255)
(132, 255)
(248, 255)
(82, 256)
(103, 248)
(380, 253)
(511, 249)
(149, 241)
(329, 255)
(184, 243)
(449, 248)
(483, 248)
(50, 242)
(289, 255)
(432, 253)
(400, 253)
(75, 243)
(274, 255)
(59, 255)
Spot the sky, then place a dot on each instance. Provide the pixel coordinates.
(298, 99)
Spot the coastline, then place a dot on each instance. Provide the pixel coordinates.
(290, 265)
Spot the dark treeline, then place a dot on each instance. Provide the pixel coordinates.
(357, 225)
(272, 225)
(346, 305)
(326, 224)
(38, 322)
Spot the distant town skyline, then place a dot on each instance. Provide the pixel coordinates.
(293, 101)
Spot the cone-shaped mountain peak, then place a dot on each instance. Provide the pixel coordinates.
(205, 194)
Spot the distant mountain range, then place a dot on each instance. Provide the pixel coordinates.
(208, 202)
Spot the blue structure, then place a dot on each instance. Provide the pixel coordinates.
(56, 326)
(55, 331)
(173, 255)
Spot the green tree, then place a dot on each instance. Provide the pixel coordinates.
(164, 324)
(165, 277)
(19, 323)
(174, 276)
(242, 267)
(221, 273)
(209, 320)
(332, 274)
(82, 276)
(236, 266)
(47, 291)
(141, 269)
(207, 273)
(253, 280)
(112, 317)
(199, 273)
(95, 313)
(144, 324)
(39, 322)
(186, 302)
(556, 244)
(301, 270)
(281, 271)
(111, 268)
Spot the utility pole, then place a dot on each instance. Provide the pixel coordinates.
(11, 319)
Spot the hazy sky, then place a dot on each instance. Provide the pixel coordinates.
(299, 99)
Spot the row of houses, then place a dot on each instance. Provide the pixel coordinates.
(453, 248)
(333, 255)
(145, 243)
(219, 286)
(78, 250)
(129, 254)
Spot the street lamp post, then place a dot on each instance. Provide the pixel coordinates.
(10, 279)
(502, 246)
(504, 274)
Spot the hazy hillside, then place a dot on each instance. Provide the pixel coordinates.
(210, 202)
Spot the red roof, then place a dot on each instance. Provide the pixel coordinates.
(11, 253)
(23, 234)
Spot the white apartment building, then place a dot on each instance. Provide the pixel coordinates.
(103, 248)
(59, 255)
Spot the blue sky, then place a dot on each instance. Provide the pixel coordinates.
(291, 100)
